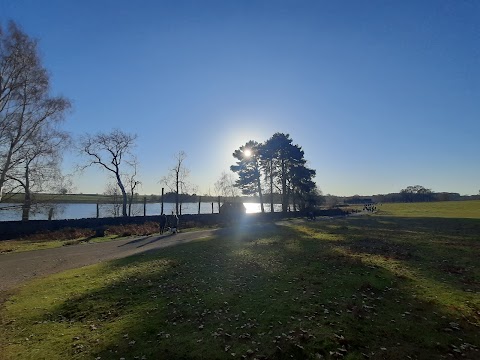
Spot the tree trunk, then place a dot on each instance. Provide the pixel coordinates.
(271, 185)
(176, 194)
(260, 195)
(259, 186)
(161, 210)
(27, 200)
(124, 195)
(3, 175)
(284, 187)
(294, 200)
(130, 205)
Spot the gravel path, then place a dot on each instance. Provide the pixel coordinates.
(17, 268)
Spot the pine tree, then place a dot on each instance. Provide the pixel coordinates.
(248, 170)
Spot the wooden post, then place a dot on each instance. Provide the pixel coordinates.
(212, 207)
(199, 202)
(144, 206)
(98, 210)
(180, 209)
(161, 211)
(219, 204)
(50, 214)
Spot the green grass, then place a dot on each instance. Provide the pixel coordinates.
(367, 287)
(443, 209)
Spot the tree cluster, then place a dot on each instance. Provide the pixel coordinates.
(276, 166)
(413, 193)
(416, 193)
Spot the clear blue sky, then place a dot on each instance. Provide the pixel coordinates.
(380, 94)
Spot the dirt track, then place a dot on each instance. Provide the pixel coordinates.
(17, 268)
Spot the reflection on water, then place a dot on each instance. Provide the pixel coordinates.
(13, 212)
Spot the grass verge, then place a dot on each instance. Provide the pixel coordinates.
(75, 236)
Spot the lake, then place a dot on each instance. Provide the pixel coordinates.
(13, 212)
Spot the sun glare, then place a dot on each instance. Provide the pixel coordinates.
(247, 152)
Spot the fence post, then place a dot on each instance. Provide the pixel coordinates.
(212, 207)
(144, 206)
(161, 211)
(219, 204)
(199, 201)
(98, 210)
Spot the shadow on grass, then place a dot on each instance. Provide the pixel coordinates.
(269, 291)
(445, 250)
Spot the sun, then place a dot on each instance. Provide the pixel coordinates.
(247, 152)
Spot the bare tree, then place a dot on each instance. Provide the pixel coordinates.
(112, 152)
(113, 191)
(177, 178)
(132, 184)
(39, 171)
(26, 107)
(225, 186)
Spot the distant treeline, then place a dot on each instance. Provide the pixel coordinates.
(440, 196)
(137, 198)
(327, 200)
(184, 198)
(400, 198)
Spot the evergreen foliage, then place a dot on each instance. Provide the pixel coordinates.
(278, 166)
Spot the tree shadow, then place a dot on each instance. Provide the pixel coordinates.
(156, 238)
(439, 249)
(135, 241)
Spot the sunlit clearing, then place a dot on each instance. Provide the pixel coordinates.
(247, 152)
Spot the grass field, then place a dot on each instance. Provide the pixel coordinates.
(374, 287)
(444, 209)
